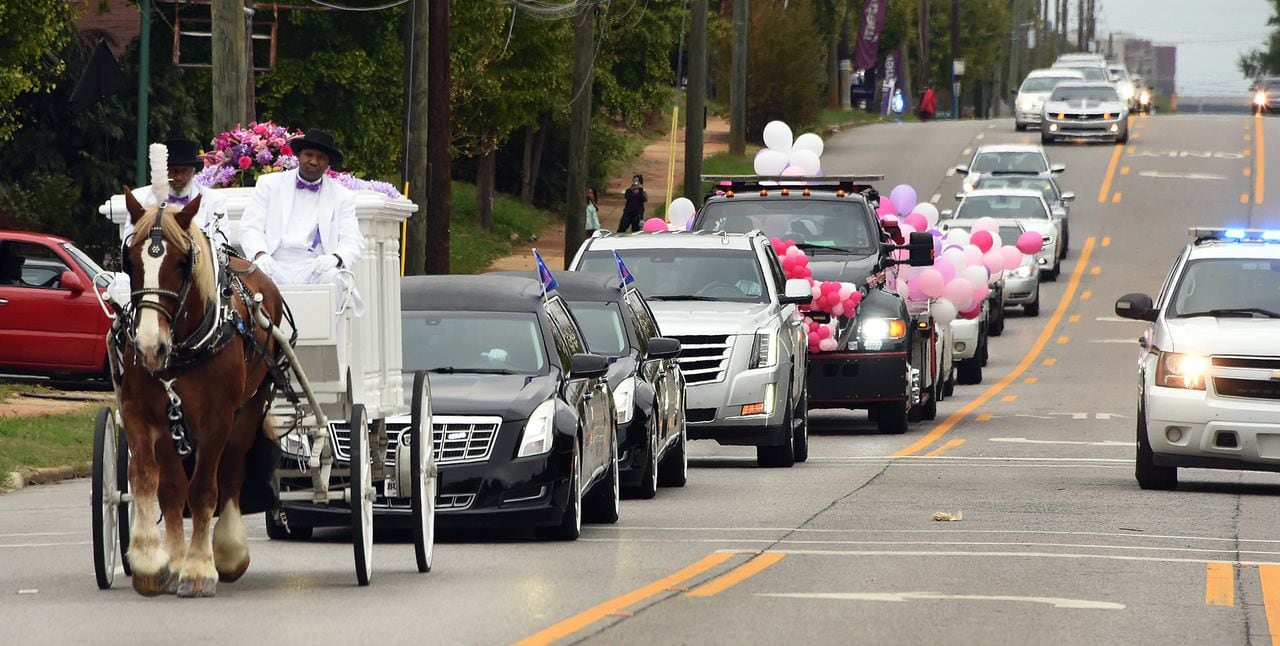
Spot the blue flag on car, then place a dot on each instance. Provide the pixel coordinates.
(623, 272)
(548, 281)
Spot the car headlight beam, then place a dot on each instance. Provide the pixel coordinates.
(764, 353)
(1179, 370)
(538, 430)
(880, 329)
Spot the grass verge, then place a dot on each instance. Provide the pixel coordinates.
(46, 440)
(471, 248)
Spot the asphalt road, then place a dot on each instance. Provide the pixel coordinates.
(1055, 543)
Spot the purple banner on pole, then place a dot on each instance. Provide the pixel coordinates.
(868, 50)
(892, 68)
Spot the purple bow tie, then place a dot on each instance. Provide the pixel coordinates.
(174, 199)
(314, 188)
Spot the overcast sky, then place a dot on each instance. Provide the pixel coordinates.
(1210, 35)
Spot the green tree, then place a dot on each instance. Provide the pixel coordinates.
(1261, 62)
(29, 30)
(786, 79)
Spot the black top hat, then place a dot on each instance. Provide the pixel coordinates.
(320, 140)
(184, 152)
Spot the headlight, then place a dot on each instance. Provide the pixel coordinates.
(536, 438)
(624, 400)
(883, 329)
(764, 354)
(1177, 370)
(1144, 97)
(1260, 98)
(1023, 271)
(1028, 105)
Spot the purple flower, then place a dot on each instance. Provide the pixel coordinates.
(287, 162)
(264, 157)
(215, 176)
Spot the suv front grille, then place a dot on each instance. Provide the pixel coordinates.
(1257, 363)
(1248, 388)
(457, 440)
(703, 358)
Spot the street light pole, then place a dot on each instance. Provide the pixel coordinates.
(144, 88)
(955, 55)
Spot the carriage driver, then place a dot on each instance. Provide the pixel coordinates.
(300, 227)
(184, 163)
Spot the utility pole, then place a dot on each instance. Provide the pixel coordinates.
(738, 81)
(144, 88)
(926, 69)
(1089, 33)
(1080, 25)
(439, 156)
(416, 124)
(575, 220)
(695, 112)
(250, 92)
(955, 55)
(1014, 45)
(229, 65)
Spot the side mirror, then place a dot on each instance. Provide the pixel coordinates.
(1058, 212)
(663, 348)
(1137, 307)
(959, 196)
(1068, 196)
(945, 213)
(587, 366)
(1058, 168)
(797, 292)
(920, 249)
(70, 281)
(963, 170)
(1014, 92)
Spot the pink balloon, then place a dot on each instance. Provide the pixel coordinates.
(915, 292)
(824, 332)
(1030, 243)
(838, 309)
(982, 240)
(960, 292)
(986, 224)
(973, 312)
(885, 208)
(917, 221)
(1012, 257)
(993, 260)
(972, 256)
(856, 299)
(653, 225)
(945, 268)
(981, 292)
(931, 282)
(827, 345)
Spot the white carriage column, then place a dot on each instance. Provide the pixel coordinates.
(376, 336)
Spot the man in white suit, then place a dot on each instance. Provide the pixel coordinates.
(184, 163)
(300, 228)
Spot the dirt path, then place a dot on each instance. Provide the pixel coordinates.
(23, 406)
(652, 163)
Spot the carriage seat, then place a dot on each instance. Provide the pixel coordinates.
(323, 332)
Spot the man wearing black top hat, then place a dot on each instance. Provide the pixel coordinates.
(184, 163)
(300, 227)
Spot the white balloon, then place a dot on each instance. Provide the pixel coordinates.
(976, 274)
(680, 212)
(943, 312)
(806, 161)
(777, 136)
(793, 171)
(958, 236)
(929, 211)
(770, 162)
(986, 224)
(810, 142)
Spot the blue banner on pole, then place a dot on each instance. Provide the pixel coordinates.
(623, 273)
(544, 274)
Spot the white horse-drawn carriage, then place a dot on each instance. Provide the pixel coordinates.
(341, 366)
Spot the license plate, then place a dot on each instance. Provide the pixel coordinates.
(389, 487)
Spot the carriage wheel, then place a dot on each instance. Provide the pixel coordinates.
(104, 498)
(126, 503)
(423, 467)
(361, 495)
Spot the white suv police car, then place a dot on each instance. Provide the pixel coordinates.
(1209, 378)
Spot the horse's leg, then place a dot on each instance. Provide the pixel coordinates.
(147, 556)
(173, 498)
(230, 538)
(198, 577)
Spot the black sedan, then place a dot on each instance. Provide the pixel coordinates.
(647, 383)
(522, 415)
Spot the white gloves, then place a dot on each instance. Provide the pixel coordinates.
(120, 289)
(324, 263)
(267, 264)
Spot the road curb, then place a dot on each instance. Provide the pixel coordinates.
(16, 480)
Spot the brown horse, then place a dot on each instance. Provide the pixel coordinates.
(220, 379)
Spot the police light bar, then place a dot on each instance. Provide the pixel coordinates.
(1236, 234)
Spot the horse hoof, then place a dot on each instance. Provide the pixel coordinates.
(234, 575)
(197, 588)
(152, 585)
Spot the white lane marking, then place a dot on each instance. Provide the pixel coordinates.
(863, 530)
(45, 544)
(1164, 175)
(1117, 319)
(951, 172)
(1052, 555)
(935, 198)
(1133, 341)
(959, 459)
(1056, 602)
(1228, 549)
(1079, 416)
(1023, 440)
(40, 534)
(966, 152)
(981, 136)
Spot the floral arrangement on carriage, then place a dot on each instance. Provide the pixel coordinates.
(241, 155)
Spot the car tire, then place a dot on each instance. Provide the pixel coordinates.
(1019, 127)
(781, 455)
(1046, 139)
(983, 352)
(1123, 139)
(570, 526)
(279, 531)
(1066, 239)
(1150, 475)
(1033, 308)
(891, 417)
(801, 425)
(929, 411)
(648, 487)
(674, 469)
(1056, 271)
(604, 501)
(995, 324)
(969, 371)
(949, 386)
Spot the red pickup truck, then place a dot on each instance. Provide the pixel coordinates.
(51, 322)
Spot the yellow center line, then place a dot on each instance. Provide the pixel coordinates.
(985, 417)
(1111, 174)
(1219, 584)
(1030, 358)
(1270, 575)
(1106, 241)
(1244, 198)
(735, 576)
(1095, 270)
(1049, 361)
(1124, 170)
(1260, 160)
(1086, 295)
(1247, 171)
(1115, 199)
(951, 444)
(1009, 398)
(1062, 340)
(1031, 380)
(1074, 318)
(586, 618)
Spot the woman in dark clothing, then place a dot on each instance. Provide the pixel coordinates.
(633, 210)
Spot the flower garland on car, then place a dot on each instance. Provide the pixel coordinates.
(241, 155)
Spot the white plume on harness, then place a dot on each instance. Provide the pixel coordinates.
(159, 155)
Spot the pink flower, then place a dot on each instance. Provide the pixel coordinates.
(245, 162)
(286, 150)
(259, 129)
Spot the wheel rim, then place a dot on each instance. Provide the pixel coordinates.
(653, 460)
(617, 479)
(425, 477)
(577, 491)
(124, 515)
(366, 500)
(360, 499)
(105, 496)
(684, 451)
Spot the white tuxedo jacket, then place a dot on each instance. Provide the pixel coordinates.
(262, 226)
(212, 205)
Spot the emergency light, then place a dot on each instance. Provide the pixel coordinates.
(1234, 234)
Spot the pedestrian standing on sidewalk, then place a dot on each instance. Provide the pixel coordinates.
(929, 104)
(633, 210)
(593, 212)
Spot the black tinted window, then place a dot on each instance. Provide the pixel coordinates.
(472, 341)
(603, 326)
(845, 225)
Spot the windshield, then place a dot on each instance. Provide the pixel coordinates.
(1091, 73)
(1007, 162)
(1045, 83)
(1085, 94)
(1008, 234)
(1227, 287)
(839, 226)
(1041, 184)
(497, 342)
(689, 274)
(602, 323)
(86, 263)
(1001, 207)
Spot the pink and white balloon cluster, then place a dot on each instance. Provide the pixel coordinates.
(833, 297)
(679, 217)
(783, 156)
(965, 261)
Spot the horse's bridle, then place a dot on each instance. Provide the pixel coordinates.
(155, 249)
